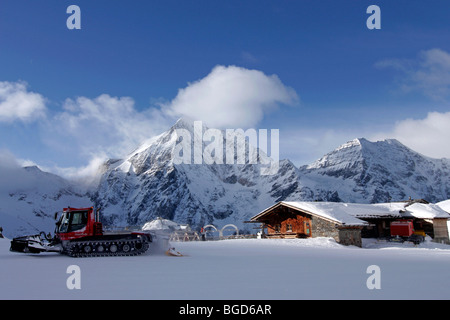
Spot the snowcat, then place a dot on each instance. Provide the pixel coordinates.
(79, 233)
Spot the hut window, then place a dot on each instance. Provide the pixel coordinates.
(288, 227)
(277, 228)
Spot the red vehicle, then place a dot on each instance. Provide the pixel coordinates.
(403, 230)
(79, 233)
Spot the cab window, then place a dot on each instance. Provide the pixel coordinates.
(78, 220)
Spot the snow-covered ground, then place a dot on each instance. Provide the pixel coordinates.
(251, 269)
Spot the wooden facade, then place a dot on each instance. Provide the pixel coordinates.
(285, 222)
(282, 221)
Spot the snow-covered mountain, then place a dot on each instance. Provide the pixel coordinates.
(31, 198)
(382, 171)
(150, 183)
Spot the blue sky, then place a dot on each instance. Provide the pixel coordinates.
(138, 61)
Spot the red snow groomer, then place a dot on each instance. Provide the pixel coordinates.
(403, 230)
(79, 233)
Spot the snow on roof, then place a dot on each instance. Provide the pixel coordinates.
(334, 211)
(445, 205)
(425, 211)
(350, 214)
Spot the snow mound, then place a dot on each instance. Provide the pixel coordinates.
(161, 224)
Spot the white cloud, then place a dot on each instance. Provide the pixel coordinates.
(231, 97)
(13, 177)
(87, 176)
(429, 136)
(428, 74)
(90, 130)
(105, 125)
(17, 103)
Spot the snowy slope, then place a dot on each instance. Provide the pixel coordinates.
(236, 269)
(29, 207)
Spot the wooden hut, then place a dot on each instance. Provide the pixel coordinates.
(347, 223)
(304, 220)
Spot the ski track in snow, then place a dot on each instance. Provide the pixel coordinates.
(252, 269)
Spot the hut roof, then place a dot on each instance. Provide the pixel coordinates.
(331, 211)
(425, 211)
(350, 214)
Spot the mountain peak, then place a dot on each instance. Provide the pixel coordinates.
(357, 142)
(183, 123)
(356, 155)
(364, 144)
(379, 171)
(32, 169)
